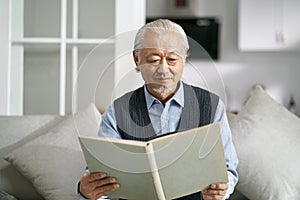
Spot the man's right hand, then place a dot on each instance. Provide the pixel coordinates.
(95, 185)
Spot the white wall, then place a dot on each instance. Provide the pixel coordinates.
(278, 71)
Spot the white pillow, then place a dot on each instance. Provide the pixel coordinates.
(267, 137)
(54, 161)
(14, 132)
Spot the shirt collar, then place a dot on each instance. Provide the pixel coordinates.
(178, 97)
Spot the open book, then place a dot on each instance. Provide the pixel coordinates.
(166, 167)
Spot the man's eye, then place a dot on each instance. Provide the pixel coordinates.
(172, 60)
(153, 61)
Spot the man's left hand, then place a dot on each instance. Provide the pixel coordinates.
(216, 191)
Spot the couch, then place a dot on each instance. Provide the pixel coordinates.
(42, 159)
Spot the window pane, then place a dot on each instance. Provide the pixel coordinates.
(41, 79)
(41, 18)
(96, 18)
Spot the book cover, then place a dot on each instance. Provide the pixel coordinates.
(166, 167)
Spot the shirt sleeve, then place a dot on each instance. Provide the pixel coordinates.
(108, 126)
(229, 149)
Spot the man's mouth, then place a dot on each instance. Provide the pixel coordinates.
(163, 80)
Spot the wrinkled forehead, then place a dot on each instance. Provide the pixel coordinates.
(170, 41)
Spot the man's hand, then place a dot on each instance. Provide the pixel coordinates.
(95, 185)
(216, 191)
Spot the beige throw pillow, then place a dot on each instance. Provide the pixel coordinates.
(14, 132)
(54, 161)
(267, 137)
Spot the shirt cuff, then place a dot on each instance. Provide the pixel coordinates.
(81, 196)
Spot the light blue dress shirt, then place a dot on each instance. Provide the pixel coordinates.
(166, 118)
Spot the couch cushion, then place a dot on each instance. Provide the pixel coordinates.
(267, 137)
(6, 196)
(14, 132)
(53, 162)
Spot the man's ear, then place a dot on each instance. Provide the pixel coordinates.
(135, 57)
(136, 60)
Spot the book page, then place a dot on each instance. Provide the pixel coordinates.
(127, 163)
(190, 161)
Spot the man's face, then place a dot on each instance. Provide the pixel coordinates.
(161, 62)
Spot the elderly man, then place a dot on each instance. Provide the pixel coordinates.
(163, 105)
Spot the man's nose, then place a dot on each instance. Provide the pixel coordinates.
(163, 66)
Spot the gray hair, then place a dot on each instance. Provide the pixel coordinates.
(160, 26)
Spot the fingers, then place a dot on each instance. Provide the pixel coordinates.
(216, 191)
(219, 186)
(102, 182)
(105, 190)
(95, 185)
(95, 176)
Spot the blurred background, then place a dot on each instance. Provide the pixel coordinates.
(57, 56)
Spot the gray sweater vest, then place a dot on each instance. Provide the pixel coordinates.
(133, 121)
